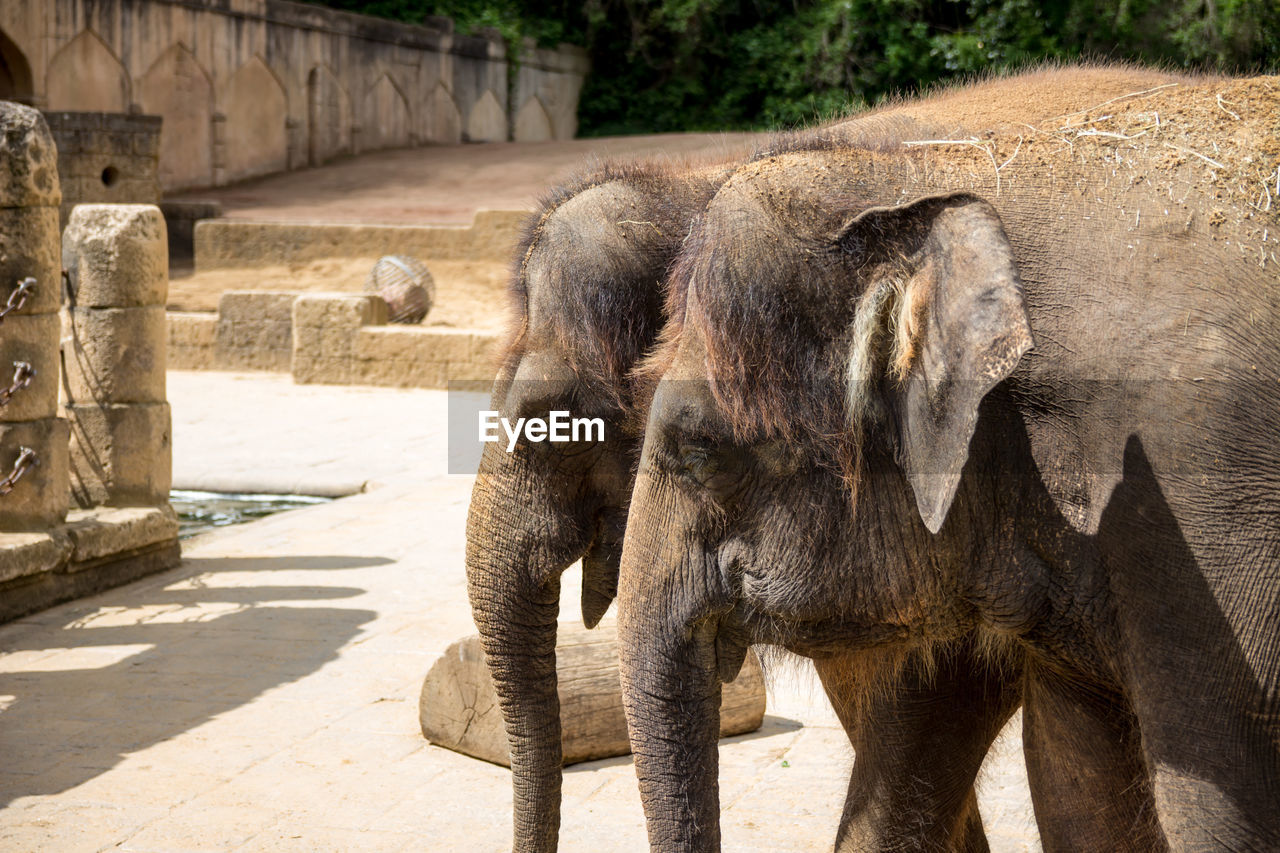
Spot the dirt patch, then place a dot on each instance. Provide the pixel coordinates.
(469, 294)
(1214, 139)
(1205, 147)
(1027, 97)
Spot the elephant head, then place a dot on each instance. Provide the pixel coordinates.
(806, 434)
(587, 303)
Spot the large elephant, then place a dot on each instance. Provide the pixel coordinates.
(1018, 396)
(585, 292)
(589, 303)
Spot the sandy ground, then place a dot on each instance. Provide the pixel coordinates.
(445, 184)
(468, 294)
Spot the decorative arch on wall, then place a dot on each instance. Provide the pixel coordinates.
(441, 119)
(386, 121)
(16, 83)
(533, 122)
(328, 116)
(177, 88)
(255, 138)
(488, 121)
(85, 76)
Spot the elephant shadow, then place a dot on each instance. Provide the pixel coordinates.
(1201, 707)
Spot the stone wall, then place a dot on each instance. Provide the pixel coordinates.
(547, 86)
(250, 87)
(241, 244)
(106, 157)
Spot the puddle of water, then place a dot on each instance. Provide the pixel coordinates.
(201, 511)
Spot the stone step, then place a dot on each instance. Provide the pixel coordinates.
(329, 338)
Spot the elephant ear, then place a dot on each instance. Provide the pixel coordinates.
(959, 327)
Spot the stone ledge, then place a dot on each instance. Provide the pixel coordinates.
(237, 244)
(335, 339)
(191, 341)
(23, 554)
(95, 550)
(45, 589)
(103, 531)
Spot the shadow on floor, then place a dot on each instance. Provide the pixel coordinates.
(771, 726)
(123, 671)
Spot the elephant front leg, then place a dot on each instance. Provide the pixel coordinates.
(1089, 782)
(918, 746)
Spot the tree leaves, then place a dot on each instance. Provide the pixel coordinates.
(679, 65)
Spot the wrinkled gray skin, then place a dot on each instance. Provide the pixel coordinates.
(533, 512)
(1119, 538)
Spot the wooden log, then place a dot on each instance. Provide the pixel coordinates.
(458, 708)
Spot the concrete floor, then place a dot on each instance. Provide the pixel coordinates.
(263, 696)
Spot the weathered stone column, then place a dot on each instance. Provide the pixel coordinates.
(114, 340)
(33, 439)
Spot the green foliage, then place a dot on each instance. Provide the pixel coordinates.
(547, 21)
(665, 65)
(715, 64)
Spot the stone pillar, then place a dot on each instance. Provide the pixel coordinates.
(219, 121)
(295, 131)
(29, 199)
(114, 341)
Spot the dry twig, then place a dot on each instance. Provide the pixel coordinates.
(1109, 134)
(972, 142)
(1208, 160)
(1118, 98)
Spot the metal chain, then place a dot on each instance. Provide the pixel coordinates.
(27, 459)
(19, 296)
(23, 373)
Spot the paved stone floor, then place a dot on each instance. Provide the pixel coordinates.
(447, 184)
(263, 696)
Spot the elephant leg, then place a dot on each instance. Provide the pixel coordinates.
(1215, 770)
(917, 749)
(1089, 782)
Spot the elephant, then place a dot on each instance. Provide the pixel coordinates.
(587, 303)
(586, 287)
(915, 403)
(586, 297)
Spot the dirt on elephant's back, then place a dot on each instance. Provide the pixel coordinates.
(1034, 96)
(1209, 144)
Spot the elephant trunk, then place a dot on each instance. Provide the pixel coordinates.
(522, 661)
(515, 601)
(671, 692)
(668, 600)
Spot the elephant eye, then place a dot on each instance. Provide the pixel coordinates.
(713, 469)
(697, 461)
